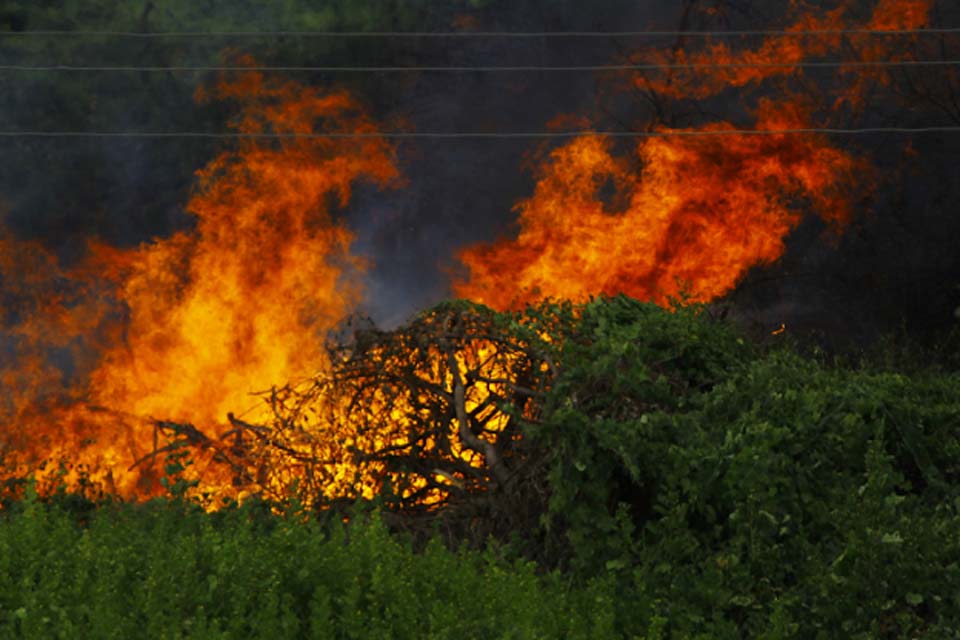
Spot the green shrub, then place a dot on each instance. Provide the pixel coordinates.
(168, 570)
(749, 494)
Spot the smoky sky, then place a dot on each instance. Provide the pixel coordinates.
(897, 263)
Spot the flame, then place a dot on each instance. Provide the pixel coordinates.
(53, 321)
(890, 15)
(245, 297)
(185, 328)
(779, 56)
(241, 301)
(238, 303)
(700, 213)
(746, 66)
(420, 410)
(689, 216)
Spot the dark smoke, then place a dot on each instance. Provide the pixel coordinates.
(897, 267)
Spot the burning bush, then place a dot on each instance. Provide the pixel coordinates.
(428, 419)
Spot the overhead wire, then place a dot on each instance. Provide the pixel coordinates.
(465, 69)
(734, 33)
(479, 134)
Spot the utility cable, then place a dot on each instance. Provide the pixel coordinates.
(436, 69)
(482, 34)
(478, 134)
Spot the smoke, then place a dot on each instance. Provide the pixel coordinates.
(891, 263)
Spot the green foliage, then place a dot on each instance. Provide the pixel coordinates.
(749, 494)
(627, 368)
(169, 570)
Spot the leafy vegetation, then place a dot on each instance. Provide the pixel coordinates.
(169, 570)
(674, 479)
(754, 494)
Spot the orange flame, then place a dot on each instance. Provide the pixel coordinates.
(745, 67)
(890, 15)
(213, 314)
(781, 55)
(700, 211)
(244, 298)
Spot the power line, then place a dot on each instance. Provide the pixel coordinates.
(477, 134)
(483, 34)
(521, 68)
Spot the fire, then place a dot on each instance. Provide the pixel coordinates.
(213, 314)
(700, 211)
(53, 323)
(890, 15)
(887, 15)
(242, 301)
(421, 411)
(779, 56)
(747, 66)
(245, 297)
(102, 354)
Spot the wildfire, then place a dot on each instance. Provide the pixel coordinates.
(421, 411)
(101, 354)
(700, 211)
(238, 303)
(246, 296)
